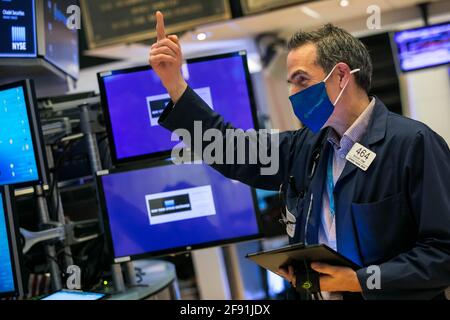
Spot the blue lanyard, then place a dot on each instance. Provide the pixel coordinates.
(330, 184)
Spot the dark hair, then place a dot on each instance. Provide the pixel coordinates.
(336, 45)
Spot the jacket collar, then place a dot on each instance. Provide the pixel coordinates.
(376, 132)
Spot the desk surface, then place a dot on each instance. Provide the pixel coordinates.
(155, 275)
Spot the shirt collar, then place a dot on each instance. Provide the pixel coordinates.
(354, 133)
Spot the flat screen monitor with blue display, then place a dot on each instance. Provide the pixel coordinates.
(17, 29)
(10, 275)
(133, 99)
(423, 47)
(171, 208)
(21, 153)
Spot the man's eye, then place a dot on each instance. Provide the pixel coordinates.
(300, 80)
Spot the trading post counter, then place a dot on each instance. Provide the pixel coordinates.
(155, 280)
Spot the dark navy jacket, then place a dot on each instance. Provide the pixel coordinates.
(395, 215)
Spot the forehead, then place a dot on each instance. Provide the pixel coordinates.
(303, 57)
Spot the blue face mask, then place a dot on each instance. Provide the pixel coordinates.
(313, 106)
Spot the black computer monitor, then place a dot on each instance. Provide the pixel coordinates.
(133, 100)
(168, 208)
(22, 160)
(61, 42)
(11, 283)
(18, 29)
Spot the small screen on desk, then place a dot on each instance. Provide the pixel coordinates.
(74, 295)
(165, 209)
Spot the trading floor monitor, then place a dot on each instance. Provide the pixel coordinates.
(168, 208)
(134, 99)
(22, 161)
(11, 283)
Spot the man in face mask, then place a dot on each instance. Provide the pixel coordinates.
(320, 99)
(368, 183)
(325, 92)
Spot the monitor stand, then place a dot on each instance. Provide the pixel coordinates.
(130, 274)
(96, 166)
(116, 272)
(50, 250)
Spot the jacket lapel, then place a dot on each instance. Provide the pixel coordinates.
(376, 131)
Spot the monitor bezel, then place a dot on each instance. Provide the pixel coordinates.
(166, 153)
(171, 251)
(396, 49)
(35, 129)
(13, 232)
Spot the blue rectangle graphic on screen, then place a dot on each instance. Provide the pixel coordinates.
(165, 208)
(17, 28)
(6, 271)
(423, 47)
(169, 203)
(17, 156)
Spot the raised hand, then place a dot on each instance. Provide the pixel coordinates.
(166, 59)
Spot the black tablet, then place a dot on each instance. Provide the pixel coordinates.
(299, 253)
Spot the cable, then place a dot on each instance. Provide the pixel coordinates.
(55, 169)
(105, 155)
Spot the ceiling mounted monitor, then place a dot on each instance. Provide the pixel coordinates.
(18, 29)
(423, 47)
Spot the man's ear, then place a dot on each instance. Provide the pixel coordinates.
(343, 73)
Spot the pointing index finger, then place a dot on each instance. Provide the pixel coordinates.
(160, 31)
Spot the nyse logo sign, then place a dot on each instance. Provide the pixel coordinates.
(19, 38)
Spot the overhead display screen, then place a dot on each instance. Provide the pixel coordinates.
(17, 28)
(110, 22)
(61, 43)
(423, 47)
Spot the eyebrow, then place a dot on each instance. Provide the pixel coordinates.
(296, 73)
